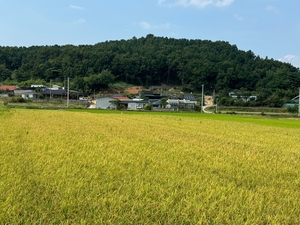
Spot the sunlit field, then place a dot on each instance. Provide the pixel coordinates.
(62, 167)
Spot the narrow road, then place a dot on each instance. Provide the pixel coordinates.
(206, 106)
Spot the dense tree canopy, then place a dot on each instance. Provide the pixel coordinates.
(148, 61)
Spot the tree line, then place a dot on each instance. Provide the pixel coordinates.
(153, 60)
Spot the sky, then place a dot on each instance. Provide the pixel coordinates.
(269, 28)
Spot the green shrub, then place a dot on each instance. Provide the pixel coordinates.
(292, 109)
(16, 100)
(148, 107)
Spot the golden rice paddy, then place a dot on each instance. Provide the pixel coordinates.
(60, 167)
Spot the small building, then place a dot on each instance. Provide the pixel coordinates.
(289, 105)
(190, 97)
(156, 104)
(60, 93)
(38, 86)
(55, 87)
(245, 98)
(105, 102)
(3, 95)
(121, 98)
(186, 104)
(31, 95)
(151, 95)
(8, 88)
(133, 104)
(19, 92)
(292, 103)
(27, 94)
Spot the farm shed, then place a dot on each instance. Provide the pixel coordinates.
(27, 94)
(133, 104)
(187, 104)
(55, 93)
(30, 95)
(105, 102)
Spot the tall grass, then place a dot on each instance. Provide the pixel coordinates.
(59, 167)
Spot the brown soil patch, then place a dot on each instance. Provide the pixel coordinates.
(133, 90)
(208, 100)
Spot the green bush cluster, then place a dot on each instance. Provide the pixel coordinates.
(16, 100)
(293, 109)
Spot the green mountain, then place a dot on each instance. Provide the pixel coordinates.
(149, 61)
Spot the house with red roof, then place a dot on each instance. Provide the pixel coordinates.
(8, 88)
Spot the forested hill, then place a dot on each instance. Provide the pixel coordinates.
(148, 61)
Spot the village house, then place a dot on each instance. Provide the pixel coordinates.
(151, 95)
(8, 88)
(108, 102)
(181, 103)
(27, 94)
(55, 93)
(132, 104)
(105, 102)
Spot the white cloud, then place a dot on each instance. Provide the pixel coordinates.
(292, 59)
(147, 26)
(197, 3)
(238, 17)
(80, 21)
(273, 9)
(161, 2)
(164, 26)
(76, 7)
(222, 3)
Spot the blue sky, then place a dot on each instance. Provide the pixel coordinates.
(269, 28)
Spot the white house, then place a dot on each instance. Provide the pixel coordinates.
(130, 104)
(244, 98)
(134, 104)
(27, 94)
(105, 103)
(38, 86)
(182, 103)
(30, 95)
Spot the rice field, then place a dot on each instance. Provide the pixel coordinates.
(62, 167)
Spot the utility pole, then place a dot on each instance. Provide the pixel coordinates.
(202, 97)
(299, 103)
(50, 89)
(64, 82)
(68, 92)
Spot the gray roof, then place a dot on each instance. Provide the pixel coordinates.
(158, 102)
(133, 101)
(54, 92)
(31, 92)
(189, 97)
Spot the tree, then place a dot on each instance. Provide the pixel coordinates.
(4, 72)
(150, 61)
(98, 81)
(163, 102)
